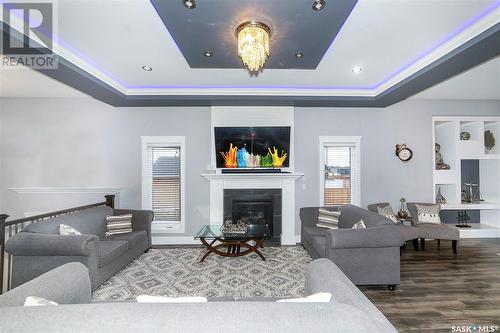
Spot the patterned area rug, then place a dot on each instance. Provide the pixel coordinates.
(178, 272)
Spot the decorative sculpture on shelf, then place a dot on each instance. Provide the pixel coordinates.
(462, 218)
(230, 157)
(440, 165)
(489, 140)
(277, 160)
(439, 197)
(471, 193)
(253, 160)
(266, 161)
(242, 157)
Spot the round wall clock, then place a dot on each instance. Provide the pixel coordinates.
(403, 153)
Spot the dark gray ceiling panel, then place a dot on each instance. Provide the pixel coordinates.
(294, 27)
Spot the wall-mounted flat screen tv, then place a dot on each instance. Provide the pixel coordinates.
(252, 147)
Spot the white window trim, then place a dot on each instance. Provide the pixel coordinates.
(332, 141)
(174, 141)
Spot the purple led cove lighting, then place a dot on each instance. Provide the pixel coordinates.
(440, 43)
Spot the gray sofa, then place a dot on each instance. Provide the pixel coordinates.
(39, 248)
(69, 285)
(367, 256)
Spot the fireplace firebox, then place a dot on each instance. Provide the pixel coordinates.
(254, 206)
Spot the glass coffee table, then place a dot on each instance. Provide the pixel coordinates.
(234, 244)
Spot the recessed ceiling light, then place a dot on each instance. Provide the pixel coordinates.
(147, 68)
(189, 4)
(356, 70)
(299, 55)
(318, 5)
(208, 53)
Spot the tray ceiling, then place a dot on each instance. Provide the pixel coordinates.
(392, 41)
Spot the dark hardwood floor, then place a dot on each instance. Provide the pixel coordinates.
(439, 289)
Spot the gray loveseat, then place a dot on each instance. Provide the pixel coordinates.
(367, 256)
(69, 285)
(39, 248)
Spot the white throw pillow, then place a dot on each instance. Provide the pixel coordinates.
(67, 230)
(315, 298)
(428, 214)
(37, 301)
(164, 299)
(359, 225)
(387, 212)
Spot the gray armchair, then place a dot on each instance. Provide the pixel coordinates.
(410, 233)
(367, 256)
(433, 230)
(39, 248)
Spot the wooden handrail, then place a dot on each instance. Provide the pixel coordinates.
(109, 202)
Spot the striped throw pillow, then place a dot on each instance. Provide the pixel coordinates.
(328, 218)
(119, 224)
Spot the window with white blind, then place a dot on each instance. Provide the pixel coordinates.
(163, 182)
(340, 171)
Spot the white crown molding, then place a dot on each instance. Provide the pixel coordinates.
(68, 190)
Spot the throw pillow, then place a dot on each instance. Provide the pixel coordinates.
(67, 230)
(428, 213)
(162, 299)
(119, 224)
(314, 298)
(37, 301)
(328, 218)
(359, 225)
(387, 212)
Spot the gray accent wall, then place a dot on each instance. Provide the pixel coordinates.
(84, 142)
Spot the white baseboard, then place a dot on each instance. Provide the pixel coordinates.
(185, 240)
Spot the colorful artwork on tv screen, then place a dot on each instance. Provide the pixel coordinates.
(252, 147)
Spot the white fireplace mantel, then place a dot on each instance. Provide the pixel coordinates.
(284, 181)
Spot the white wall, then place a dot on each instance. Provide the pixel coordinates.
(83, 142)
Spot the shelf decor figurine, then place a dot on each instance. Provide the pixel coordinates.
(439, 197)
(440, 165)
(402, 214)
(489, 140)
(462, 218)
(464, 136)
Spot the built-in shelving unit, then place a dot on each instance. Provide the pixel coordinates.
(446, 131)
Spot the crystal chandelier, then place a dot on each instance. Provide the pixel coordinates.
(253, 44)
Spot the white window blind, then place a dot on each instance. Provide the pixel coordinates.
(165, 182)
(341, 172)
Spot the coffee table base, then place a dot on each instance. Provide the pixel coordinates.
(233, 247)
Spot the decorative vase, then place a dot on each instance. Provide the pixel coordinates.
(402, 214)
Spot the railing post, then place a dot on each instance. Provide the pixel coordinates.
(110, 200)
(3, 217)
